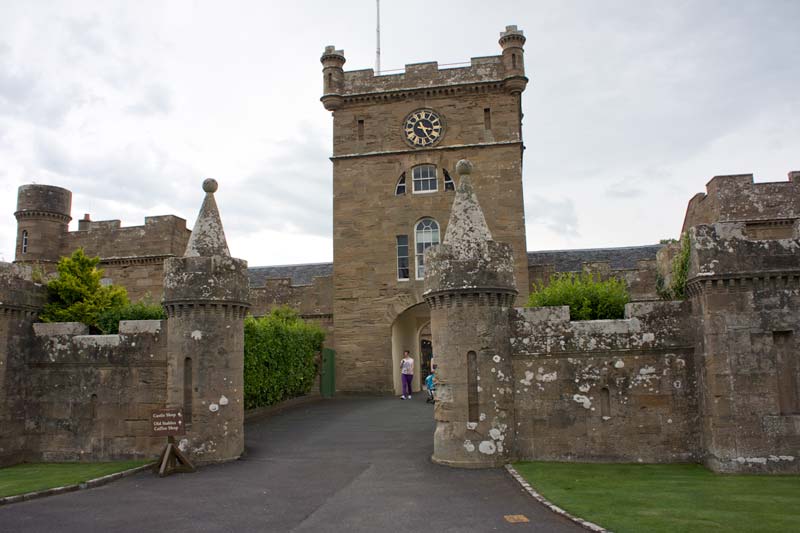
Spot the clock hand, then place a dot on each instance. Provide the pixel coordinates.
(423, 128)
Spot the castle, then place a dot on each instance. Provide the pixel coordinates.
(430, 256)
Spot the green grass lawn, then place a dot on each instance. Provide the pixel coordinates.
(674, 498)
(20, 479)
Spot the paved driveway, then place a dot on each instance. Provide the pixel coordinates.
(350, 464)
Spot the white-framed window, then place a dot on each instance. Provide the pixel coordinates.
(402, 258)
(448, 181)
(426, 234)
(24, 241)
(400, 188)
(424, 178)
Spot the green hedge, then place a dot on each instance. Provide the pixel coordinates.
(108, 321)
(588, 296)
(280, 352)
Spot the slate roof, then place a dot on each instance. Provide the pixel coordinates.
(300, 274)
(564, 261)
(571, 260)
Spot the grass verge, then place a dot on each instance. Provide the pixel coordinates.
(24, 478)
(668, 498)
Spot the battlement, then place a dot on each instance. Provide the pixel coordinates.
(138, 341)
(505, 72)
(725, 254)
(425, 76)
(17, 292)
(737, 198)
(164, 235)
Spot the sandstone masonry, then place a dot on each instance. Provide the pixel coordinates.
(67, 395)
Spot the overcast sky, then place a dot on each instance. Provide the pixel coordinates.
(632, 107)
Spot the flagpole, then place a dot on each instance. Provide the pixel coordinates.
(378, 38)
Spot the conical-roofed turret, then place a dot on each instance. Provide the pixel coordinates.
(206, 296)
(469, 286)
(468, 258)
(467, 231)
(208, 235)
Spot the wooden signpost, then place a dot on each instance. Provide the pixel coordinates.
(169, 423)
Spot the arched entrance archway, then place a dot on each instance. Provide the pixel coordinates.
(409, 329)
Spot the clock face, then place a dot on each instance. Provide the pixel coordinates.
(423, 127)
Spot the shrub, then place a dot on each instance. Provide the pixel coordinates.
(588, 297)
(76, 294)
(680, 273)
(108, 321)
(279, 357)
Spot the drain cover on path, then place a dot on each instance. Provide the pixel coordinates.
(516, 518)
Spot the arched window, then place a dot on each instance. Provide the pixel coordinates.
(400, 189)
(424, 177)
(448, 181)
(426, 234)
(24, 241)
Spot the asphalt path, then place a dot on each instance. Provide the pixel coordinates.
(349, 464)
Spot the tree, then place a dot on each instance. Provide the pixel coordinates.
(76, 294)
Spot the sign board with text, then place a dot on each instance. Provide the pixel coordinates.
(167, 422)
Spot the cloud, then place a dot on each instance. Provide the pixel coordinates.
(157, 99)
(27, 94)
(558, 216)
(623, 189)
(291, 191)
(140, 173)
(86, 33)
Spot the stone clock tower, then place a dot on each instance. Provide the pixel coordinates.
(396, 141)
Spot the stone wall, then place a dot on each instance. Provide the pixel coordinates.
(746, 297)
(314, 301)
(130, 256)
(20, 302)
(89, 397)
(636, 266)
(769, 209)
(605, 390)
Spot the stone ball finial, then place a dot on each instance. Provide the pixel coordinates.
(464, 167)
(210, 185)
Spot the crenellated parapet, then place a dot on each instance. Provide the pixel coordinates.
(18, 295)
(89, 397)
(503, 73)
(768, 210)
(723, 256)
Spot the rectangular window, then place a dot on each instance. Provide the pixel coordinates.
(424, 178)
(487, 118)
(360, 130)
(188, 394)
(402, 257)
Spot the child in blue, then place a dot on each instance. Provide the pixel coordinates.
(430, 384)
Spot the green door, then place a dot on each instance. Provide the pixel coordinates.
(328, 373)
